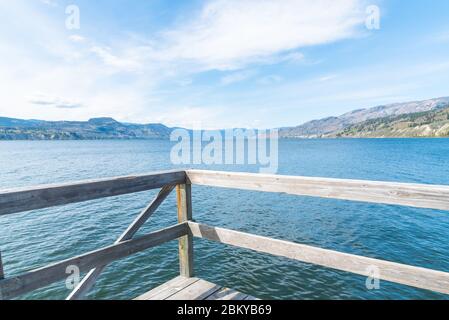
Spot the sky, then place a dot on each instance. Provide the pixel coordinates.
(218, 63)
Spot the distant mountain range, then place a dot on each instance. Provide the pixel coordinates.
(428, 118)
(432, 123)
(345, 125)
(94, 129)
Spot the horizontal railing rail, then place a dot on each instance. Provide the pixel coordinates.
(403, 194)
(41, 197)
(422, 278)
(392, 193)
(39, 278)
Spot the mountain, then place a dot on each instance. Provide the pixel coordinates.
(428, 118)
(94, 129)
(433, 123)
(333, 125)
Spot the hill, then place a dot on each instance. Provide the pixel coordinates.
(94, 129)
(433, 123)
(333, 125)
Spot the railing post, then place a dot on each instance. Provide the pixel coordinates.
(184, 196)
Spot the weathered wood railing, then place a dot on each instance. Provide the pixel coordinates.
(13, 201)
(414, 195)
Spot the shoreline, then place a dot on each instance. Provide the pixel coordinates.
(281, 138)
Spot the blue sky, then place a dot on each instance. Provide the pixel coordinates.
(218, 64)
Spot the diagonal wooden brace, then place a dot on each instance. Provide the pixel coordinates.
(91, 277)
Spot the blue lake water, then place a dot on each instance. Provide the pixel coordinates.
(412, 236)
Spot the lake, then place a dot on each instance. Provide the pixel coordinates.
(406, 235)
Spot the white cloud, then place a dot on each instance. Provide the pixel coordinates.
(56, 102)
(293, 57)
(229, 34)
(44, 74)
(327, 78)
(192, 117)
(124, 63)
(77, 38)
(271, 79)
(184, 82)
(236, 77)
(119, 77)
(51, 3)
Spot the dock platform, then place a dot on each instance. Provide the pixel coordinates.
(183, 288)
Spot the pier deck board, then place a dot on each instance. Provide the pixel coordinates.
(182, 288)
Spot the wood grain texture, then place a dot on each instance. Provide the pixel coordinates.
(168, 289)
(183, 288)
(184, 198)
(26, 199)
(198, 290)
(89, 280)
(227, 294)
(405, 194)
(437, 281)
(12, 287)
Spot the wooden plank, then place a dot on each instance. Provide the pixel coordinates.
(89, 280)
(437, 281)
(227, 294)
(199, 290)
(413, 195)
(168, 289)
(26, 199)
(184, 198)
(183, 288)
(42, 277)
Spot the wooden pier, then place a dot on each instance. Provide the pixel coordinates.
(187, 286)
(183, 288)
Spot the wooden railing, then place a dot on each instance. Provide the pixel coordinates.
(414, 195)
